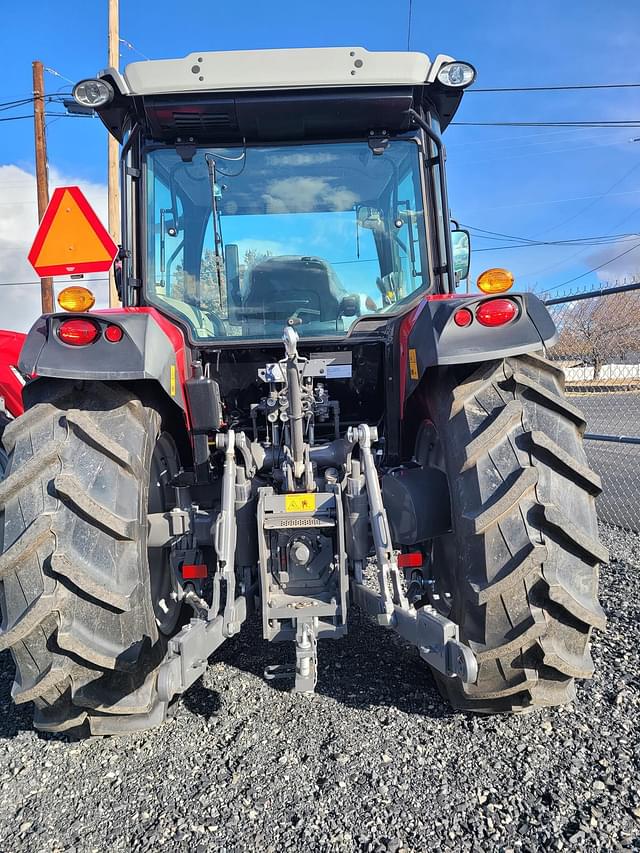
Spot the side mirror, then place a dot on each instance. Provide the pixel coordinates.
(370, 218)
(461, 245)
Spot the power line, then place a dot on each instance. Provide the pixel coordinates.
(524, 242)
(67, 281)
(500, 235)
(569, 88)
(502, 156)
(574, 216)
(588, 206)
(577, 254)
(553, 201)
(585, 243)
(12, 105)
(595, 269)
(16, 118)
(8, 105)
(30, 115)
(133, 48)
(630, 123)
(409, 25)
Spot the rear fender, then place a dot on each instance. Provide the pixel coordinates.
(11, 382)
(429, 337)
(152, 348)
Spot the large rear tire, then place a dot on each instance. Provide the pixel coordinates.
(525, 548)
(75, 582)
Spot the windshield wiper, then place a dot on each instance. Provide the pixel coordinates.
(217, 228)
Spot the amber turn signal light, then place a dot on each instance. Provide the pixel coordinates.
(76, 298)
(495, 280)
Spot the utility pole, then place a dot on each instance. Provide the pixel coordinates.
(113, 188)
(42, 169)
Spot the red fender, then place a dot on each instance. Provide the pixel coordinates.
(10, 384)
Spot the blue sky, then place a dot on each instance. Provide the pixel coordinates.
(545, 183)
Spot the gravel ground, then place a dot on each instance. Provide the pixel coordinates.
(374, 762)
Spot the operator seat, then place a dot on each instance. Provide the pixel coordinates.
(279, 287)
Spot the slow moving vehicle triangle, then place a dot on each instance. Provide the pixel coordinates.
(71, 239)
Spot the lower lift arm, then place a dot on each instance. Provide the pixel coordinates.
(436, 637)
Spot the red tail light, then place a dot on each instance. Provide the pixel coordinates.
(463, 317)
(78, 333)
(413, 559)
(193, 571)
(113, 334)
(496, 312)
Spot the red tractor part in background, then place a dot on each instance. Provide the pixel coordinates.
(10, 384)
(11, 381)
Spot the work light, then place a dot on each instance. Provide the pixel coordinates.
(457, 74)
(93, 93)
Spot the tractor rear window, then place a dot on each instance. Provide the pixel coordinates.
(243, 241)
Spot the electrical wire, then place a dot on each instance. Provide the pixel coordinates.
(133, 48)
(574, 216)
(526, 242)
(502, 157)
(577, 254)
(11, 105)
(57, 282)
(585, 243)
(594, 201)
(495, 235)
(59, 115)
(509, 140)
(594, 269)
(630, 123)
(58, 74)
(568, 88)
(409, 25)
(554, 201)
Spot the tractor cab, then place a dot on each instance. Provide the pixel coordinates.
(301, 188)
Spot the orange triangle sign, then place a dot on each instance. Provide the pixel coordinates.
(71, 239)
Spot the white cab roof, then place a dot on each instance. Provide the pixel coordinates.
(278, 69)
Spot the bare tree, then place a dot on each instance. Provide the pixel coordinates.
(605, 328)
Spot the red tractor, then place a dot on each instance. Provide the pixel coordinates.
(294, 410)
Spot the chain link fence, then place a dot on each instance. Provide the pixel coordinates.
(599, 350)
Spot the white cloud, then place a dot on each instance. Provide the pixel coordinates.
(306, 159)
(19, 285)
(615, 268)
(304, 194)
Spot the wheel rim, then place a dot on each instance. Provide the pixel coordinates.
(165, 465)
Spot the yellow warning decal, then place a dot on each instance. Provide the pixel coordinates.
(300, 503)
(413, 365)
(172, 381)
